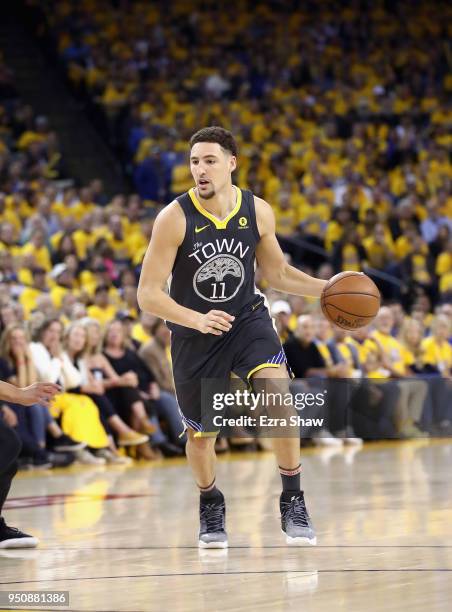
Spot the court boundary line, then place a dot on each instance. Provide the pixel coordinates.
(232, 573)
(238, 547)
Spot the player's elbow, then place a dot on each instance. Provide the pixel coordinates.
(146, 299)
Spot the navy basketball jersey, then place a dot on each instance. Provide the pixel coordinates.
(214, 265)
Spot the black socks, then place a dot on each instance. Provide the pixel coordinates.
(290, 478)
(209, 492)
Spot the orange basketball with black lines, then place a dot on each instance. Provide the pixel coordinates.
(350, 300)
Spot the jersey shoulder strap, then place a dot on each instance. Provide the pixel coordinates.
(187, 207)
(247, 213)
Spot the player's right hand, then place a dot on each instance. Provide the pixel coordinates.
(215, 322)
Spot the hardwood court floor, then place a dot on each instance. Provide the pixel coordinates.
(124, 539)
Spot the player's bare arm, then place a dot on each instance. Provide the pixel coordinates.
(167, 235)
(277, 271)
(37, 393)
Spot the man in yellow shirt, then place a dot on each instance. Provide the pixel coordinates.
(117, 239)
(64, 283)
(102, 310)
(437, 355)
(412, 391)
(29, 295)
(8, 239)
(38, 248)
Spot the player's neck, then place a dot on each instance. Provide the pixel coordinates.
(222, 202)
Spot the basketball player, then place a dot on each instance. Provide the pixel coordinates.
(10, 445)
(207, 240)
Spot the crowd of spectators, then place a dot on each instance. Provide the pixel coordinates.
(392, 379)
(340, 110)
(69, 261)
(342, 127)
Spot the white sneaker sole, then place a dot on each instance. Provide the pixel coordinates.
(70, 449)
(19, 543)
(299, 541)
(202, 544)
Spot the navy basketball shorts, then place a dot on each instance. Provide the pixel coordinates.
(250, 345)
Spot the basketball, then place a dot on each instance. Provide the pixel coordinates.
(350, 300)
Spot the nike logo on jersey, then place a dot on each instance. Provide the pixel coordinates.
(199, 229)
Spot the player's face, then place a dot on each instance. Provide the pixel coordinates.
(211, 168)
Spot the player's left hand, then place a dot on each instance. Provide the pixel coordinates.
(38, 393)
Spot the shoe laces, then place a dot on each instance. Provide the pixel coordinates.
(10, 531)
(213, 516)
(296, 511)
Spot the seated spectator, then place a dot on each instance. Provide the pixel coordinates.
(128, 320)
(412, 392)
(343, 352)
(431, 226)
(443, 269)
(156, 355)
(30, 294)
(143, 390)
(102, 310)
(78, 414)
(141, 331)
(375, 405)
(348, 253)
(410, 338)
(281, 312)
(36, 246)
(418, 266)
(65, 246)
(306, 361)
(75, 345)
(437, 357)
(8, 314)
(63, 283)
(95, 362)
(33, 422)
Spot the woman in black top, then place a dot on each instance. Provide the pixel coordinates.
(144, 390)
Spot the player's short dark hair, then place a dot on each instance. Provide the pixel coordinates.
(215, 133)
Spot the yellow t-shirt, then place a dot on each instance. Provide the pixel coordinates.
(445, 283)
(28, 298)
(324, 351)
(350, 258)
(41, 255)
(286, 221)
(103, 315)
(437, 354)
(392, 349)
(363, 348)
(57, 294)
(138, 333)
(443, 263)
(378, 255)
(313, 218)
(407, 356)
(420, 270)
(347, 356)
(83, 241)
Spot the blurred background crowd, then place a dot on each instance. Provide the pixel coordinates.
(343, 118)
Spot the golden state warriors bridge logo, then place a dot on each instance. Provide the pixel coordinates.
(220, 277)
